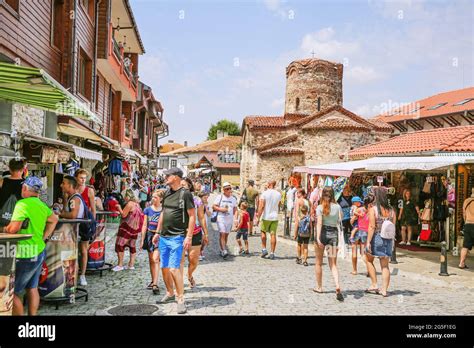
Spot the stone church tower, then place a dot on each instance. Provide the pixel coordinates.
(312, 85)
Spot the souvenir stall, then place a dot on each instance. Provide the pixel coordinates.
(438, 184)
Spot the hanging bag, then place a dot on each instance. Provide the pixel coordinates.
(215, 213)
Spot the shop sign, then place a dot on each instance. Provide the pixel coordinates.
(380, 179)
(49, 155)
(63, 156)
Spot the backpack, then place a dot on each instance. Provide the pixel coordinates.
(388, 229)
(6, 211)
(303, 227)
(87, 229)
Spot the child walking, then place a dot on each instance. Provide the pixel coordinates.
(303, 235)
(243, 229)
(356, 204)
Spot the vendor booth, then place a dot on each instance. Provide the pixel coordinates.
(438, 184)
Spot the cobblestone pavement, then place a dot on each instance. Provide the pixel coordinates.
(250, 285)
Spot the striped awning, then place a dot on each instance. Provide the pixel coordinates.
(34, 87)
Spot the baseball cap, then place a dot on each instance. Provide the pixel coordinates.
(356, 199)
(33, 183)
(227, 184)
(174, 171)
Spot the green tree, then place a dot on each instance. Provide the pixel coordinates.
(231, 127)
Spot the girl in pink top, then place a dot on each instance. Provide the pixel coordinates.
(360, 236)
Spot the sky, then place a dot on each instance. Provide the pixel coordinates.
(213, 59)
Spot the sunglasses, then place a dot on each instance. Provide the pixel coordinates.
(227, 188)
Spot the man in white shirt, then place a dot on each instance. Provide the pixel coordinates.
(268, 210)
(226, 206)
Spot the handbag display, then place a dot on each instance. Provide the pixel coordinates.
(427, 213)
(425, 233)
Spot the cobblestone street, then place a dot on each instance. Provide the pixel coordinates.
(250, 285)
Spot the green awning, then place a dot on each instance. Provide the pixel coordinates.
(34, 87)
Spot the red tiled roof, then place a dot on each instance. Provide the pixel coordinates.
(454, 139)
(168, 147)
(214, 160)
(223, 165)
(265, 122)
(230, 142)
(337, 123)
(299, 120)
(282, 151)
(421, 108)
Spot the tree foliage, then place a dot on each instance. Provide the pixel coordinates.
(231, 127)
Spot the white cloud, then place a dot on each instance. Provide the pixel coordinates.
(325, 46)
(278, 8)
(362, 74)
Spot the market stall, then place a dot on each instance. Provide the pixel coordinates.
(8, 243)
(432, 181)
(58, 279)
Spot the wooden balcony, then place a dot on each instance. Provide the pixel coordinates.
(116, 71)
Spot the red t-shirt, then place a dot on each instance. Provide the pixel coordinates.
(245, 220)
(112, 205)
(85, 196)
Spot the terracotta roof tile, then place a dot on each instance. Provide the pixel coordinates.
(265, 122)
(443, 139)
(231, 142)
(165, 148)
(427, 107)
(276, 151)
(337, 124)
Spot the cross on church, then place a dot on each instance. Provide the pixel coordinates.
(313, 53)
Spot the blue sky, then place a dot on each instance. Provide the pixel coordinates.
(214, 59)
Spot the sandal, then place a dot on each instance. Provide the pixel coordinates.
(150, 286)
(155, 289)
(317, 291)
(339, 296)
(298, 261)
(465, 267)
(372, 291)
(354, 273)
(383, 295)
(192, 283)
(305, 263)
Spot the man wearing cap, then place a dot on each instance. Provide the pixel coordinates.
(251, 195)
(176, 227)
(226, 207)
(30, 253)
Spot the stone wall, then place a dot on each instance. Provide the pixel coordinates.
(28, 120)
(310, 79)
(328, 146)
(277, 168)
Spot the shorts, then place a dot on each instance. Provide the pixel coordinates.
(269, 226)
(251, 212)
(27, 272)
(197, 239)
(303, 240)
(360, 236)
(148, 242)
(468, 242)
(244, 233)
(329, 236)
(381, 247)
(171, 251)
(224, 226)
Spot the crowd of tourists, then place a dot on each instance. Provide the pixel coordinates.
(169, 218)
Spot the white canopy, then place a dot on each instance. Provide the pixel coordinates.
(133, 153)
(385, 164)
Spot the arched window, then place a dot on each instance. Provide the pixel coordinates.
(297, 104)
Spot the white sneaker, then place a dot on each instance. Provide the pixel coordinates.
(402, 243)
(131, 268)
(117, 268)
(82, 280)
(201, 257)
(408, 243)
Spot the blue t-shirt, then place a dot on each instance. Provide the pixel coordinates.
(153, 217)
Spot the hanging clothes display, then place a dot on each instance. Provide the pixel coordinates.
(71, 167)
(115, 167)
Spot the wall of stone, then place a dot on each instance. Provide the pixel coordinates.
(310, 79)
(277, 168)
(28, 120)
(327, 146)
